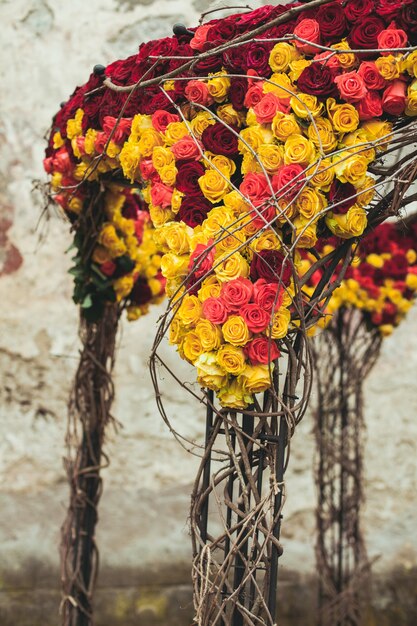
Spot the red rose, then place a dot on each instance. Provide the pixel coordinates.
(262, 215)
(257, 58)
(270, 264)
(219, 139)
(164, 47)
(186, 148)
(288, 180)
(256, 318)
(407, 19)
(332, 21)
(210, 64)
(215, 310)
(357, 9)
(147, 170)
(371, 77)
(161, 118)
(342, 196)
(236, 293)
(317, 80)
(351, 86)
(254, 95)
(201, 260)
(237, 92)
(234, 59)
(370, 107)
(267, 295)
(197, 91)
(121, 128)
(308, 30)
(392, 38)
(223, 30)
(262, 350)
(388, 8)
(397, 266)
(193, 210)
(120, 71)
(394, 97)
(255, 187)
(141, 292)
(108, 268)
(365, 33)
(184, 50)
(187, 177)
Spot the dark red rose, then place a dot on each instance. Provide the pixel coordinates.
(407, 19)
(343, 195)
(193, 211)
(120, 71)
(269, 264)
(332, 21)
(223, 31)
(358, 9)
(234, 59)
(167, 46)
(158, 101)
(238, 89)
(257, 58)
(187, 178)
(317, 80)
(279, 31)
(219, 139)
(141, 292)
(396, 267)
(388, 9)
(365, 33)
(262, 350)
(185, 50)
(245, 21)
(210, 64)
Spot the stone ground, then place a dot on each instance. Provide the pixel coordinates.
(47, 48)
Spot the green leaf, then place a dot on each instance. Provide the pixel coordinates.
(87, 302)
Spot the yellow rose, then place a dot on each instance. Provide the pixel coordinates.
(357, 142)
(284, 125)
(250, 163)
(210, 288)
(217, 221)
(411, 104)
(130, 156)
(221, 162)
(161, 157)
(347, 60)
(190, 310)
(231, 242)
(411, 256)
(378, 131)
(75, 205)
(209, 334)
(173, 265)
(321, 135)
(323, 174)
(74, 125)
(200, 122)
(375, 260)
(174, 237)
(352, 224)
(231, 358)
(213, 185)
(235, 331)
(256, 378)
(149, 139)
(135, 312)
(229, 266)
(305, 235)
(160, 216)
(108, 236)
(112, 150)
(280, 323)
(411, 281)
(101, 255)
(191, 346)
(310, 202)
(352, 169)
(58, 141)
(344, 117)
(218, 86)
(411, 63)
(209, 372)
(230, 116)
(123, 286)
(90, 140)
(280, 84)
(298, 149)
(297, 67)
(234, 396)
(175, 131)
(253, 137)
(386, 329)
(365, 191)
(281, 56)
(176, 331)
(388, 66)
(306, 106)
(271, 156)
(267, 240)
(139, 124)
(234, 201)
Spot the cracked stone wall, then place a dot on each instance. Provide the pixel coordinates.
(47, 48)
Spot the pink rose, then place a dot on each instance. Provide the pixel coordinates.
(48, 165)
(161, 119)
(200, 37)
(236, 293)
(100, 142)
(267, 107)
(371, 77)
(262, 350)
(62, 162)
(201, 260)
(215, 310)
(122, 129)
(351, 86)
(186, 148)
(255, 187)
(80, 141)
(256, 319)
(392, 38)
(197, 91)
(147, 169)
(370, 106)
(328, 59)
(309, 30)
(161, 195)
(288, 180)
(267, 295)
(254, 95)
(394, 97)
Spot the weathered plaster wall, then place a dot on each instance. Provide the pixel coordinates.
(47, 48)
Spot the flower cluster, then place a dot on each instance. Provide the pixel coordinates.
(382, 280)
(245, 157)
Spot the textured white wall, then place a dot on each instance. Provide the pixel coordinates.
(47, 48)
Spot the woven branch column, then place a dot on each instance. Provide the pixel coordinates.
(89, 414)
(344, 354)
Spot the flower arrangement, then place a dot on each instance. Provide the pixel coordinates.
(247, 152)
(382, 280)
